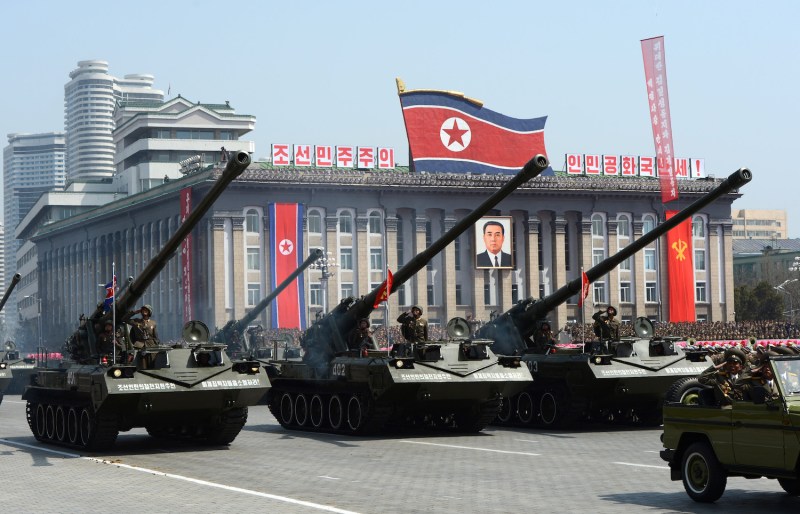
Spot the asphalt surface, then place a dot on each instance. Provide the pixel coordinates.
(598, 469)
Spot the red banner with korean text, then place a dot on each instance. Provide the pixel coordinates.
(186, 256)
(680, 269)
(285, 248)
(655, 75)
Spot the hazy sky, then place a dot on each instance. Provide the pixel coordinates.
(324, 72)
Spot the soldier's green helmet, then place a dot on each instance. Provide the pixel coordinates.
(148, 307)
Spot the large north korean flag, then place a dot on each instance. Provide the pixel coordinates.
(285, 247)
(451, 133)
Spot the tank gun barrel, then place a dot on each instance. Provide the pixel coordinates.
(14, 281)
(240, 325)
(524, 321)
(331, 337)
(237, 163)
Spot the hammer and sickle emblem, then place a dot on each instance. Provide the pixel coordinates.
(680, 247)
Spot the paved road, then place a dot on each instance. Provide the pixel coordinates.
(267, 469)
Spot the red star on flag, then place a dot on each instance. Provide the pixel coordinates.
(455, 134)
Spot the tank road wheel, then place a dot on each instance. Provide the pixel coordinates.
(287, 409)
(41, 429)
(790, 485)
(355, 413)
(474, 418)
(317, 411)
(30, 412)
(335, 412)
(97, 432)
(703, 477)
(61, 423)
(552, 408)
(685, 391)
(525, 409)
(505, 410)
(73, 432)
(301, 409)
(50, 422)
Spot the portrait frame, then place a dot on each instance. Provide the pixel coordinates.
(506, 255)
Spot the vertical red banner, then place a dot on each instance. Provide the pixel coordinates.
(655, 75)
(680, 269)
(285, 249)
(186, 256)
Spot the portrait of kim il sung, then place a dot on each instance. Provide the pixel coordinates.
(493, 240)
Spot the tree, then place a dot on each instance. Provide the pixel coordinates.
(761, 302)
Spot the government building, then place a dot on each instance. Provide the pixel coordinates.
(368, 220)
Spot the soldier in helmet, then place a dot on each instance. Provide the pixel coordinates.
(360, 338)
(543, 338)
(143, 330)
(413, 326)
(605, 326)
(721, 377)
(759, 376)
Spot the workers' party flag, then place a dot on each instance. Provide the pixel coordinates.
(384, 290)
(285, 249)
(680, 270)
(584, 288)
(449, 132)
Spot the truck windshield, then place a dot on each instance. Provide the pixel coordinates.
(788, 372)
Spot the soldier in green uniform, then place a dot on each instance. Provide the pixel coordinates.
(360, 338)
(143, 330)
(759, 376)
(413, 326)
(605, 326)
(721, 377)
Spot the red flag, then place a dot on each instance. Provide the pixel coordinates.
(655, 75)
(285, 249)
(680, 271)
(452, 133)
(385, 290)
(584, 288)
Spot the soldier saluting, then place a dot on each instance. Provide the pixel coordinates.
(413, 326)
(143, 330)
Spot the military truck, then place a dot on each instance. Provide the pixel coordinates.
(705, 444)
(455, 383)
(624, 380)
(189, 390)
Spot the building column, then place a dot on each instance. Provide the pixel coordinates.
(448, 274)
(264, 317)
(612, 279)
(586, 261)
(532, 255)
(559, 269)
(714, 280)
(420, 295)
(391, 261)
(219, 271)
(362, 287)
(637, 288)
(238, 262)
(727, 310)
(331, 284)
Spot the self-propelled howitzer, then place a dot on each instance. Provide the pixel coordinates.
(338, 388)
(191, 390)
(8, 351)
(604, 379)
(225, 334)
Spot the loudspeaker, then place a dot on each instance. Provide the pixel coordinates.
(643, 328)
(10, 346)
(195, 331)
(458, 328)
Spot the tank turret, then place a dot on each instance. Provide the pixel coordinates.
(328, 336)
(224, 334)
(510, 330)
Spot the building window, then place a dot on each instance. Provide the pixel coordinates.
(458, 295)
(541, 290)
(650, 292)
(625, 265)
(401, 295)
(698, 227)
(597, 256)
(623, 226)
(599, 295)
(346, 290)
(540, 251)
(598, 228)
(648, 224)
(650, 259)
(625, 292)
(253, 259)
(314, 222)
(375, 259)
(700, 260)
(346, 258)
(375, 223)
(251, 221)
(514, 293)
(430, 295)
(400, 244)
(458, 254)
(315, 295)
(566, 249)
(700, 292)
(345, 222)
(487, 295)
(428, 240)
(253, 294)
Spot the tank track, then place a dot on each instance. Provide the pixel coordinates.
(219, 431)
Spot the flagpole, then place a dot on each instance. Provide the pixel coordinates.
(113, 314)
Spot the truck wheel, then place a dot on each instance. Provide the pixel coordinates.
(685, 391)
(703, 477)
(790, 485)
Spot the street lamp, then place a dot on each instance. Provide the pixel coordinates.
(325, 264)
